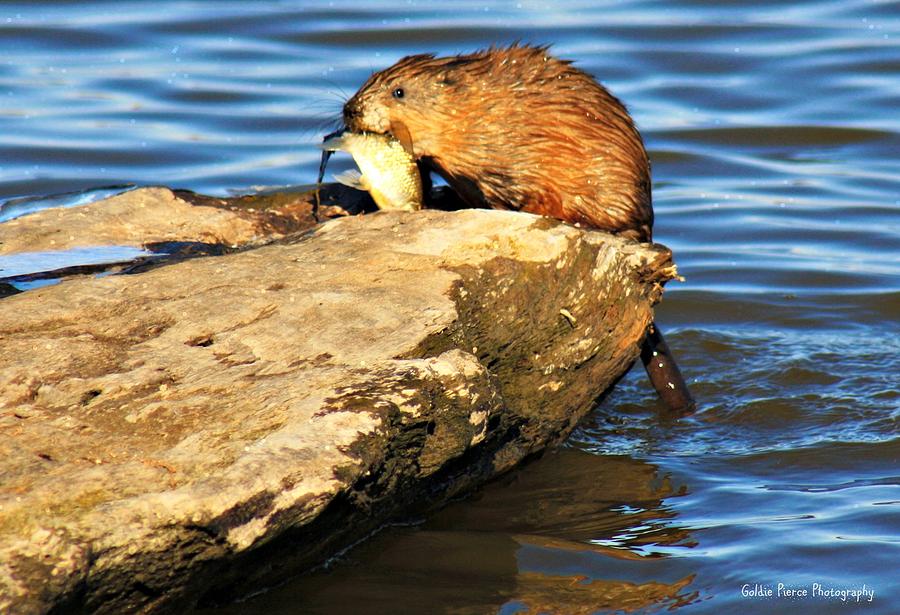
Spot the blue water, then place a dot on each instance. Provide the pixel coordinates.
(25, 263)
(774, 131)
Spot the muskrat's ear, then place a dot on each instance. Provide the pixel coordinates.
(401, 133)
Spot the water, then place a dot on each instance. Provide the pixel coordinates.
(774, 132)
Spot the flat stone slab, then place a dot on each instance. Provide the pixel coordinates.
(199, 429)
(153, 215)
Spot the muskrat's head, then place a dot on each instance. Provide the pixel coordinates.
(411, 100)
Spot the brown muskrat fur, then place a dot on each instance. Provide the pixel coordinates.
(516, 128)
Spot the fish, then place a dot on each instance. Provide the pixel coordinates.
(386, 170)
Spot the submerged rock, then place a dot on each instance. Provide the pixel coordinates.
(198, 430)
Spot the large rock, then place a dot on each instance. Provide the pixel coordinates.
(194, 431)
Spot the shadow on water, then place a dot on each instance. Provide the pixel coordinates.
(571, 532)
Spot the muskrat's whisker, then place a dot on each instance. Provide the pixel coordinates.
(321, 124)
(340, 91)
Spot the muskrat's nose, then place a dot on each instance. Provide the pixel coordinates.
(351, 112)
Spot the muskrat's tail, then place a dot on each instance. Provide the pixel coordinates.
(664, 373)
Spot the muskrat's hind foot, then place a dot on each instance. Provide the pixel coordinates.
(664, 373)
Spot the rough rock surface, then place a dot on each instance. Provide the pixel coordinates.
(145, 216)
(193, 431)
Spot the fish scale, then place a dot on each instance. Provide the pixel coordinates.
(387, 171)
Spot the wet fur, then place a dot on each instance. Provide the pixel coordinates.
(516, 128)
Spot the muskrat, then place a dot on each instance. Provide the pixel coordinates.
(516, 128)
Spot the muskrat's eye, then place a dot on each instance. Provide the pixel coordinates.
(398, 93)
